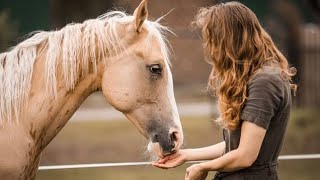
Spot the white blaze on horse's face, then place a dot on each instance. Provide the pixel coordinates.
(138, 82)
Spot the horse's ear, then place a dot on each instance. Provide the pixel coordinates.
(140, 15)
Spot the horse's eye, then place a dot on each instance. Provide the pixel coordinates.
(155, 69)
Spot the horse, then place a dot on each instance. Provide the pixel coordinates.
(45, 78)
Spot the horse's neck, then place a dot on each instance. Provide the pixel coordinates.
(45, 114)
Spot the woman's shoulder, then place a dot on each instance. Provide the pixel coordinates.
(270, 79)
(270, 73)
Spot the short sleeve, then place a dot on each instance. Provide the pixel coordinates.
(264, 98)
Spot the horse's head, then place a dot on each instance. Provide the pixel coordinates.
(138, 82)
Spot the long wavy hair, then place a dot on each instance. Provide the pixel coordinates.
(236, 45)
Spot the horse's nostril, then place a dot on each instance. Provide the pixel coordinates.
(173, 145)
(168, 141)
(155, 138)
(173, 138)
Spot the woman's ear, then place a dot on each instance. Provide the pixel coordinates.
(140, 15)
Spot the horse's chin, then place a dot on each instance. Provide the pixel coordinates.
(155, 151)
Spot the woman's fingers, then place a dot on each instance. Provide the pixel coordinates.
(170, 161)
(186, 176)
(162, 166)
(164, 159)
(194, 172)
(168, 164)
(188, 170)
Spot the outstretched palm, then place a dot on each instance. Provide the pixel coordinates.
(172, 160)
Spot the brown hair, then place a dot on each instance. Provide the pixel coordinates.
(236, 46)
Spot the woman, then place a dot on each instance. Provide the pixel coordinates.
(252, 79)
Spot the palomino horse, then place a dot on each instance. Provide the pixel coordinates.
(44, 79)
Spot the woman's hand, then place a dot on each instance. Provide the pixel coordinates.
(196, 172)
(172, 160)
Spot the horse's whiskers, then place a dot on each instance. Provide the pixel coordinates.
(148, 154)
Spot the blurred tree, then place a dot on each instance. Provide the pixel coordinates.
(64, 12)
(32, 14)
(314, 5)
(8, 31)
(289, 17)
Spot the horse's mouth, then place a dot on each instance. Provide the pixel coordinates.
(157, 150)
(168, 153)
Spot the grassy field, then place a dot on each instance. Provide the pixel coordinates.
(119, 141)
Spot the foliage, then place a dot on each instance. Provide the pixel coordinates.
(8, 31)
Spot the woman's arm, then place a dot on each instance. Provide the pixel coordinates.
(206, 153)
(183, 155)
(251, 139)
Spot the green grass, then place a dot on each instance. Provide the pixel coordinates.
(119, 141)
(303, 132)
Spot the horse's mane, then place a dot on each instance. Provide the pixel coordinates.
(74, 47)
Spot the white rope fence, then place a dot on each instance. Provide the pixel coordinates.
(80, 166)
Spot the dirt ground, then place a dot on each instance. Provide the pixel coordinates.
(119, 141)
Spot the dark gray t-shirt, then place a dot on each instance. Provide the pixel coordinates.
(268, 106)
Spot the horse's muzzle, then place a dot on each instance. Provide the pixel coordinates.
(168, 138)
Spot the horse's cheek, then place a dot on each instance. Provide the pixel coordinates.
(117, 97)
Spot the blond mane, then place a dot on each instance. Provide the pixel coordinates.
(74, 46)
